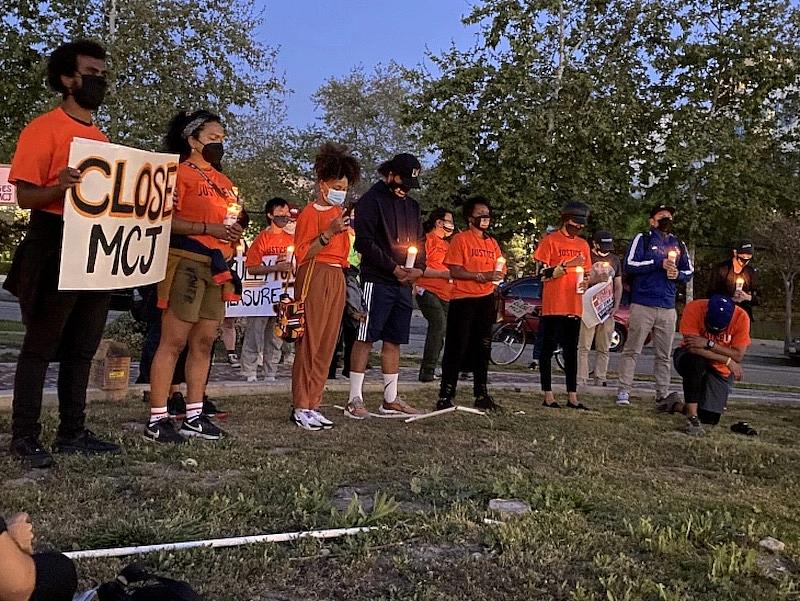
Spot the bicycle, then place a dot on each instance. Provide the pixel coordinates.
(510, 339)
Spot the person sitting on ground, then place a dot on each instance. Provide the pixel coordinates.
(716, 334)
(26, 576)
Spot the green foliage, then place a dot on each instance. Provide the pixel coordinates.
(127, 330)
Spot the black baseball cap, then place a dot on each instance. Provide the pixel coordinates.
(406, 165)
(576, 211)
(719, 313)
(662, 207)
(604, 240)
(744, 247)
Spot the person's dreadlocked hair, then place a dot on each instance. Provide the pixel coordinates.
(334, 161)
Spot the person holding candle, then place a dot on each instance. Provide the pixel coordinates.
(391, 241)
(434, 288)
(321, 249)
(737, 278)
(606, 266)
(476, 264)
(261, 346)
(655, 262)
(566, 259)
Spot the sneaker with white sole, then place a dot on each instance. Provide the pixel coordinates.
(270, 379)
(623, 398)
(252, 379)
(200, 427)
(694, 427)
(324, 421)
(163, 431)
(233, 360)
(356, 409)
(304, 418)
(396, 407)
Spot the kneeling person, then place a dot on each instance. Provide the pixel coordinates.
(716, 334)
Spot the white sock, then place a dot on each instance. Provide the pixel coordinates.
(194, 410)
(157, 414)
(390, 387)
(356, 382)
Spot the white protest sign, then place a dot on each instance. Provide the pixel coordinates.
(598, 302)
(260, 293)
(8, 192)
(117, 219)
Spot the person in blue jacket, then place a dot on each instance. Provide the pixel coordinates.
(655, 262)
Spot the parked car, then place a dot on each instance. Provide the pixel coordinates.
(529, 290)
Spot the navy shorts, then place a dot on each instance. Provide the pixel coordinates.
(389, 313)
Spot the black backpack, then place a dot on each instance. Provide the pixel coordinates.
(136, 583)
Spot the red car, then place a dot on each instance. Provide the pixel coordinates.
(529, 290)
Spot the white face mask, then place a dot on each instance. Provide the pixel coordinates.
(336, 197)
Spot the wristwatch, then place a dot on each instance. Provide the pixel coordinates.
(710, 344)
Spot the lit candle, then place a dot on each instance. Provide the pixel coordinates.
(289, 253)
(579, 279)
(411, 256)
(673, 255)
(500, 264)
(739, 284)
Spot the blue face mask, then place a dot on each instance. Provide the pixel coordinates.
(336, 197)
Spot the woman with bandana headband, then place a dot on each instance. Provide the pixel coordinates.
(434, 288)
(566, 258)
(194, 298)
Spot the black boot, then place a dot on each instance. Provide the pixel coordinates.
(447, 392)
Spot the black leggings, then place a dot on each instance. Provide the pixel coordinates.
(694, 370)
(563, 330)
(56, 578)
(468, 341)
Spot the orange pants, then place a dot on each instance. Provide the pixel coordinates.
(324, 305)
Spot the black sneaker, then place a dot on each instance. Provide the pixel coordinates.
(200, 427)
(163, 431)
(30, 451)
(427, 376)
(444, 403)
(233, 360)
(486, 403)
(210, 409)
(85, 443)
(176, 405)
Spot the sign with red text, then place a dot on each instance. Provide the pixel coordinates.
(8, 192)
(117, 219)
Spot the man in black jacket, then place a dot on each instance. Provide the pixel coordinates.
(736, 278)
(391, 241)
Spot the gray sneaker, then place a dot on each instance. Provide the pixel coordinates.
(694, 427)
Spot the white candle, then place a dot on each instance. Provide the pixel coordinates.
(739, 284)
(289, 253)
(673, 255)
(579, 280)
(411, 256)
(499, 264)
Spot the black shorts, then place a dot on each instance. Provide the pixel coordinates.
(389, 313)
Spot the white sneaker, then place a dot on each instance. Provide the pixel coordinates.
(623, 398)
(324, 421)
(270, 379)
(252, 379)
(303, 418)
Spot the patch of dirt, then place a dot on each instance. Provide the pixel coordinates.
(774, 567)
(344, 495)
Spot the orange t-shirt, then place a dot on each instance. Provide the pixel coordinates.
(435, 252)
(198, 201)
(267, 244)
(473, 252)
(559, 295)
(43, 150)
(310, 224)
(736, 335)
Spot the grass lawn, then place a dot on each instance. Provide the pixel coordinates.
(624, 506)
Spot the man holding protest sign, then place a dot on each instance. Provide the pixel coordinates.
(606, 269)
(261, 345)
(60, 325)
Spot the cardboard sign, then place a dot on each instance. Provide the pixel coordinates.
(8, 192)
(598, 302)
(260, 293)
(117, 219)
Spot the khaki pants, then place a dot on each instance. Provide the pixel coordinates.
(260, 347)
(644, 321)
(601, 336)
(324, 306)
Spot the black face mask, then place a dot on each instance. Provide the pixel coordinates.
(743, 262)
(573, 230)
(478, 223)
(399, 186)
(91, 93)
(665, 225)
(213, 153)
(280, 221)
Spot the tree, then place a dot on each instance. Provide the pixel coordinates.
(365, 112)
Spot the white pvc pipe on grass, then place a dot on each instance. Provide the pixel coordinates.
(213, 543)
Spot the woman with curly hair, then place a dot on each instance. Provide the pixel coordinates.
(322, 246)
